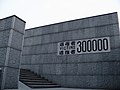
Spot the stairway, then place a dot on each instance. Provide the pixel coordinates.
(33, 80)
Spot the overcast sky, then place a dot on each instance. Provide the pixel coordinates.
(43, 12)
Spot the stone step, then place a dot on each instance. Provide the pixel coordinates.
(39, 83)
(31, 78)
(35, 81)
(27, 73)
(44, 86)
(28, 80)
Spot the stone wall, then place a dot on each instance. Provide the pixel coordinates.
(90, 70)
(11, 44)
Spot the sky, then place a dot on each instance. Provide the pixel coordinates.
(44, 12)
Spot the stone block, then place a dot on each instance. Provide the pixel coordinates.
(81, 81)
(89, 68)
(50, 29)
(25, 67)
(14, 58)
(28, 41)
(100, 82)
(3, 52)
(60, 27)
(17, 40)
(68, 36)
(4, 38)
(61, 69)
(12, 78)
(35, 59)
(115, 29)
(40, 69)
(52, 48)
(88, 33)
(49, 69)
(45, 39)
(62, 59)
(71, 69)
(45, 29)
(56, 37)
(92, 57)
(100, 68)
(110, 68)
(58, 69)
(41, 58)
(46, 69)
(108, 82)
(50, 58)
(36, 40)
(28, 33)
(77, 24)
(112, 56)
(66, 26)
(55, 78)
(26, 50)
(47, 59)
(55, 59)
(6, 23)
(109, 30)
(35, 68)
(113, 18)
(103, 19)
(54, 29)
(37, 31)
(83, 58)
(35, 49)
(19, 25)
(74, 58)
(38, 49)
(73, 81)
(83, 33)
(115, 42)
(77, 34)
(26, 59)
(84, 23)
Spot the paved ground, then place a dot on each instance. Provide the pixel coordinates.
(24, 87)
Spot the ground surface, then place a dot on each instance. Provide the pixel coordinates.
(24, 87)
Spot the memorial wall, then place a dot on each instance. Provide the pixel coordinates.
(81, 53)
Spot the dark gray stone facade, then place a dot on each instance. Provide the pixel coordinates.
(40, 52)
(11, 43)
(90, 70)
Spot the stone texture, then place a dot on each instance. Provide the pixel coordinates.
(19, 25)
(12, 77)
(36, 40)
(17, 39)
(11, 43)
(4, 38)
(3, 52)
(28, 41)
(26, 60)
(6, 23)
(28, 33)
(90, 70)
(14, 58)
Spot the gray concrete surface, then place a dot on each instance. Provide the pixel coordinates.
(90, 70)
(11, 44)
(24, 87)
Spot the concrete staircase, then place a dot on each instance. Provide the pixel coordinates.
(35, 81)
